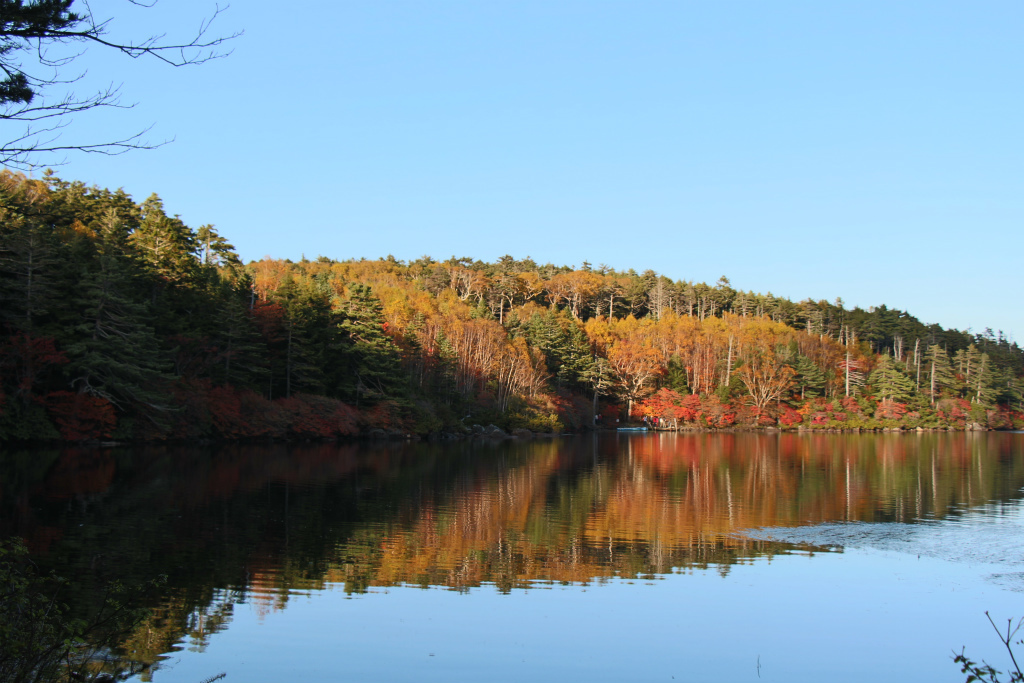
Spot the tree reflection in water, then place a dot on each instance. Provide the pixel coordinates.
(263, 523)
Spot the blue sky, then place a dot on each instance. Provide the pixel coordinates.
(866, 150)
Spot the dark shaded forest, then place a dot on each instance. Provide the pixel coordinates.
(118, 321)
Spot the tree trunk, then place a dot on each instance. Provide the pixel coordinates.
(288, 367)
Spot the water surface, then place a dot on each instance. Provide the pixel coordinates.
(607, 558)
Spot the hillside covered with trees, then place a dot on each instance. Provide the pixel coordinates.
(117, 320)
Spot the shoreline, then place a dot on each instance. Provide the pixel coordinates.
(493, 433)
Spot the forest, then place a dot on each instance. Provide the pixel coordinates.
(120, 322)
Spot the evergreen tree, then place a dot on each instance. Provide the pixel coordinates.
(889, 382)
(565, 346)
(308, 324)
(809, 378)
(574, 356)
(1011, 391)
(242, 350)
(983, 387)
(166, 244)
(444, 374)
(374, 362)
(601, 376)
(214, 248)
(39, 40)
(114, 354)
(939, 372)
(28, 264)
(675, 376)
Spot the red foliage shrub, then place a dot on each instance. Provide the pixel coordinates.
(850, 405)
(663, 404)
(1001, 418)
(269, 319)
(890, 410)
(715, 413)
(81, 416)
(28, 358)
(955, 410)
(239, 414)
(312, 416)
(609, 413)
(790, 417)
(573, 410)
(690, 407)
(384, 415)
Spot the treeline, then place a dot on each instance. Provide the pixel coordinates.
(120, 321)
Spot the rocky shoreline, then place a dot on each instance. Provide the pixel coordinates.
(493, 432)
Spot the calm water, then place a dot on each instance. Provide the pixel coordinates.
(729, 557)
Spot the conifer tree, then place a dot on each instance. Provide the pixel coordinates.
(214, 248)
(675, 376)
(982, 388)
(241, 348)
(114, 354)
(889, 382)
(574, 356)
(28, 264)
(165, 243)
(374, 363)
(939, 372)
(308, 325)
(809, 378)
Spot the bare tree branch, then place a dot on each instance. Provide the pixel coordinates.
(31, 68)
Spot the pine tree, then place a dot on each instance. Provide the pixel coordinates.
(939, 372)
(675, 376)
(564, 344)
(809, 378)
(983, 386)
(1011, 390)
(214, 248)
(889, 382)
(308, 326)
(574, 356)
(374, 362)
(114, 353)
(166, 244)
(28, 261)
(243, 354)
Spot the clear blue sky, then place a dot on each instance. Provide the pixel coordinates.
(866, 150)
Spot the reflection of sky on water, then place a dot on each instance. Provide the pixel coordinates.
(990, 536)
(892, 605)
(572, 559)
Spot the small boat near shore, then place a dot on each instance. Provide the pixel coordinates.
(631, 429)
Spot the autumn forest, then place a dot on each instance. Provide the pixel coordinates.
(118, 321)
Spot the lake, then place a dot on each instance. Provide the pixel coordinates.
(611, 557)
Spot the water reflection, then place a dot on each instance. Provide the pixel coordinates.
(261, 524)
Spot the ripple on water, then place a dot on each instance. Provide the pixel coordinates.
(987, 535)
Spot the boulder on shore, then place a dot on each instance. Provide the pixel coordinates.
(495, 432)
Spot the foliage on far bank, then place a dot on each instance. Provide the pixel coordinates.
(118, 321)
